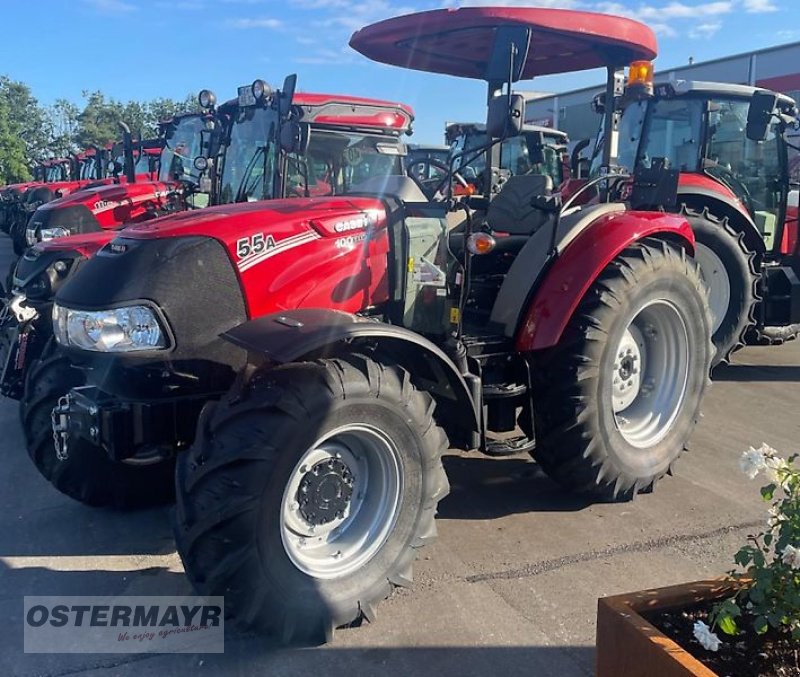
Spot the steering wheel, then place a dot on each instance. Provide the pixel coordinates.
(735, 184)
(434, 188)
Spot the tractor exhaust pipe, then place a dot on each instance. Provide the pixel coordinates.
(127, 151)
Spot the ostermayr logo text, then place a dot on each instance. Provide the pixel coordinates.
(124, 624)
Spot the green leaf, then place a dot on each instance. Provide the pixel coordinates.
(727, 625)
(744, 556)
(760, 625)
(768, 492)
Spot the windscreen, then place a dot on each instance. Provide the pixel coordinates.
(338, 162)
(182, 144)
(673, 130)
(630, 135)
(248, 168)
(143, 164)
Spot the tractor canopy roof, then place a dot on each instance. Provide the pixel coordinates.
(460, 41)
(453, 129)
(721, 90)
(354, 112)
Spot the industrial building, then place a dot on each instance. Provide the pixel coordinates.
(777, 68)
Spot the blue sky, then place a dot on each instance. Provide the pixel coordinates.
(133, 49)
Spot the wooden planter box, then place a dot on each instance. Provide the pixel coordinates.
(629, 646)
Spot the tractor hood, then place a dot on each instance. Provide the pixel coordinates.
(103, 198)
(100, 207)
(259, 256)
(228, 223)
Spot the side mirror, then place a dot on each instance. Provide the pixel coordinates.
(287, 94)
(505, 116)
(509, 54)
(762, 108)
(295, 137)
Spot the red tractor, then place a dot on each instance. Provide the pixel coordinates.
(319, 355)
(731, 145)
(338, 127)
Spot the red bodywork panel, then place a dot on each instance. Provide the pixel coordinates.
(306, 253)
(459, 41)
(578, 266)
(688, 181)
(116, 204)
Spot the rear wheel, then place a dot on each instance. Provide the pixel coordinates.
(616, 400)
(87, 474)
(303, 503)
(729, 270)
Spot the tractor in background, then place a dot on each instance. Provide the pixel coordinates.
(731, 145)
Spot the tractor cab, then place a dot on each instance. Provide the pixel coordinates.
(702, 129)
(331, 144)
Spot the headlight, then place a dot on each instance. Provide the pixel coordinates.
(121, 330)
(51, 234)
(30, 236)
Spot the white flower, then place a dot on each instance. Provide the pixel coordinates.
(753, 462)
(776, 469)
(791, 556)
(703, 634)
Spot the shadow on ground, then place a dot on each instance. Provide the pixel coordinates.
(755, 373)
(488, 488)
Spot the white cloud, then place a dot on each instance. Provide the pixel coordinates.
(663, 29)
(705, 30)
(678, 10)
(110, 6)
(759, 6)
(273, 24)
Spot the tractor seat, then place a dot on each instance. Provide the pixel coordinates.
(514, 214)
(513, 210)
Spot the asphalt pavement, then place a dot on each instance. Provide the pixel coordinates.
(510, 587)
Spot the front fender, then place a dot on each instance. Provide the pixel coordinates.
(296, 334)
(578, 266)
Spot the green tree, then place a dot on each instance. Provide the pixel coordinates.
(24, 125)
(13, 153)
(63, 124)
(98, 122)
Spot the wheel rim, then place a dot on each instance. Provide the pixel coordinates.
(650, 373)
(341, 501)
(718, 282)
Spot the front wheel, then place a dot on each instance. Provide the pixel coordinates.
(304, 501)
(617, 399)
(87, 474)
